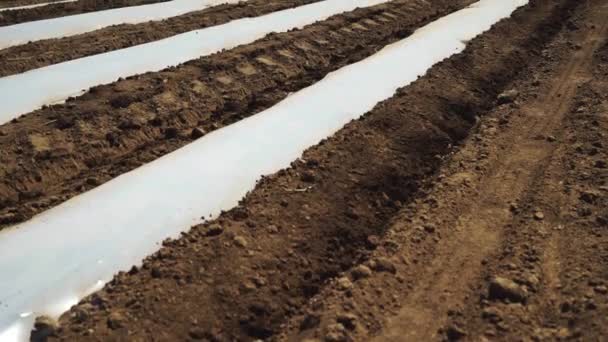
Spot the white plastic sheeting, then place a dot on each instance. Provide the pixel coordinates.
(35, 5)
(61, 255)
(25, 92)
(81, 23)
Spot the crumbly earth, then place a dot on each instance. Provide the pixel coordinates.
(60, 151)
(12, 17)
(472, 205)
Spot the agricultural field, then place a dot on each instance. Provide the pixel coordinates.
(303, 170)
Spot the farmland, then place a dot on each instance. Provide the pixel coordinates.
(402, 170)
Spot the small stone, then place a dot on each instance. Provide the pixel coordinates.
(197, 333)
(44, 326)
(539, 216)
(93, 181)
(213, 230)
(240, 241)
(122, 101)
(384, 265)
(131, 124)
(335, 333)
(116, 320)
(563, 333)
(348, 320)
(455, 333)
(307, 177)
(590, 196)
(492, 314)
(155, 272)
(9, 218)
(551, 138)
(344, 284)
(81, 313)
(310, 321)
(601, 289)
(197, 133)
(503, 288)
(361, 272)
(248, 286)
(171, 132)
(508, 96)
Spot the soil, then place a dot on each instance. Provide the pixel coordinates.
(60, 151)
(18, 59)
(16, 3)
(471, 205)
(13, 17)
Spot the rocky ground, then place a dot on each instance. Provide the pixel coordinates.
(472, 205)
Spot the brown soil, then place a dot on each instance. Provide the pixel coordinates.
(13, 17)
(55, 153)
(38, 54)
(471, 205)
(15, 3)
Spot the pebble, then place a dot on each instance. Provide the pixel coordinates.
(44, 326)
(197, 133)
(348, 320)
(601, 289)
(116, 320)
(335, 333)
(213, 230)
(197, 333)
(590, 196)
(344, 284)
(455, 333)
(539, 215)
(361, 272)
(240, 241)
(503, 288)
(492, 314)
(307, 177)
(155, 272)
(384, 265)
(171, 132)
(508, 96)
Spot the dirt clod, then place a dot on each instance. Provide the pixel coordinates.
(383, 265)
(505, 289)
(44, 327)
(116, 320)
(361, 272)
(508, 96)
